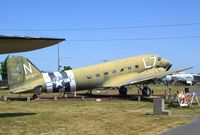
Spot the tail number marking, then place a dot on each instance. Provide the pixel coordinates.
(29, 68)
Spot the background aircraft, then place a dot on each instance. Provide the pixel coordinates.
(24, 77)
(182, 78)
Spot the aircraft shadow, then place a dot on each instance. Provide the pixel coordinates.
(19, 114)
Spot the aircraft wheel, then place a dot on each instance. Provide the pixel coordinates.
(123, 91)
(146, 91)
(35, 95)
(38, 90)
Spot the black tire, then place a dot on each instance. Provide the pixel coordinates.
(146, 91)
(35, 95)
(123, 91)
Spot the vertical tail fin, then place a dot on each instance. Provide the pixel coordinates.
(22, 75)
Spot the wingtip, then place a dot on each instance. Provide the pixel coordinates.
(189, 68)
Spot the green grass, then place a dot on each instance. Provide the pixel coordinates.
(87, 117)
(82, 117)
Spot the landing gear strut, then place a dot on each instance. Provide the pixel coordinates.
(123, 91)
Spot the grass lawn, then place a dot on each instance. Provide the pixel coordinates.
(87, 117)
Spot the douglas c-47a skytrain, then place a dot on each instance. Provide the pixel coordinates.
(24, 77)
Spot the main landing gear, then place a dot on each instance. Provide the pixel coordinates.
(123, 91)
(146, 91)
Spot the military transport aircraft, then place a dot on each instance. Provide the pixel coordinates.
(24, 77)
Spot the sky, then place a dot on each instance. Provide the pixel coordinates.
(74, 19)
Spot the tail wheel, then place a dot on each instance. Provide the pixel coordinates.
(35, 95)
(123, 91)
(38, 91)
(146, 91)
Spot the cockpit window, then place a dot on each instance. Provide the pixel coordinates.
(159, 59)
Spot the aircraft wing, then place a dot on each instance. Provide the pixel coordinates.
(139, 78)
(12, 44)
(152, 76)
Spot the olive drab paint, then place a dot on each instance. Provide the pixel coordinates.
(23, 76)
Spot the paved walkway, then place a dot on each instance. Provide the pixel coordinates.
(192, 128)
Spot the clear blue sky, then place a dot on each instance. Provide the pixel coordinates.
(69, 14)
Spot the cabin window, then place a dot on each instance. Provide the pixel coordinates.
(159, 59)
(129, 68)
(89, 77)
(105, 73)
(97, 75)
(114, 71)
(136, 66)
(122, 69)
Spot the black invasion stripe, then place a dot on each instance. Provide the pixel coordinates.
(67, 84)
(53, 79)
(55, 90)
(64, 74)
(52, 76)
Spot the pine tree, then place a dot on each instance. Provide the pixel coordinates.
(66, 68)
(3, 69)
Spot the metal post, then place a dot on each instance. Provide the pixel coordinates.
(58, 58)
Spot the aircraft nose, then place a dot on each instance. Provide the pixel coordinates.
(166, 64)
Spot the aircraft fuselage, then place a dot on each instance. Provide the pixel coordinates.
(101, 75)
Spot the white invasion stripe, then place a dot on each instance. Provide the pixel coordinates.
(59, 76)
(72, 80)
(48, 82)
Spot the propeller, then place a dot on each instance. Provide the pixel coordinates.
(168, 67)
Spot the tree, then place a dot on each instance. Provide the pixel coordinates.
(66, 68)
(3, 69)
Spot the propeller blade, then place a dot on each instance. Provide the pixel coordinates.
(168, 68)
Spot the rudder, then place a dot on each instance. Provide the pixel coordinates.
(22, 75)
